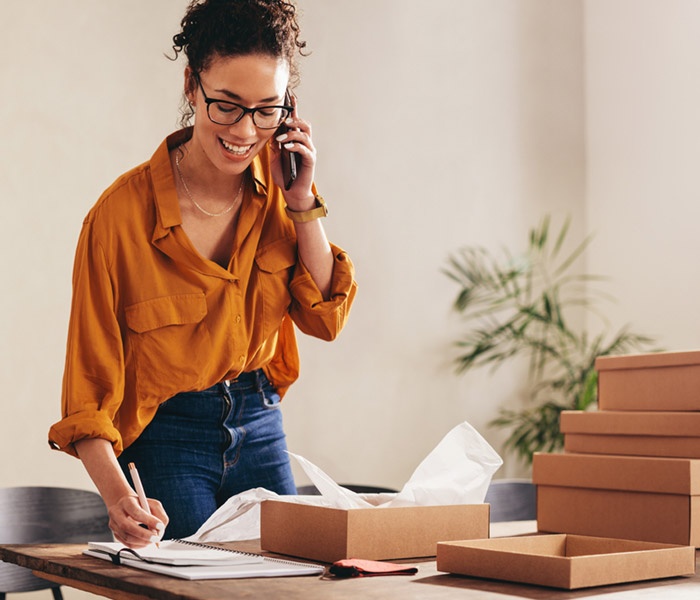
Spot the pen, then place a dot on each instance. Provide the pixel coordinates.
(139, 487)
(143, 501)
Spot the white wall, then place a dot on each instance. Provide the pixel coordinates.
(643, 144)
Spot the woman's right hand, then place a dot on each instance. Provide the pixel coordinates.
(126, 516)
(133, 526)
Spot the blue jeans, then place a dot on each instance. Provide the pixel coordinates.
(204, 447)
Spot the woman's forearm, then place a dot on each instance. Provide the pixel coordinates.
(130, 524)
(101, 464)
(316, 254)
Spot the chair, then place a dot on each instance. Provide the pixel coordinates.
(312, 490)
(512, 500)
(47, 515)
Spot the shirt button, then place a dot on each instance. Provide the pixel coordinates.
(241, 358)
(238, 319)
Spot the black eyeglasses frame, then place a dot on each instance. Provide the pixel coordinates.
(252, 111)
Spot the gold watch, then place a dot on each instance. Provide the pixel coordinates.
(304, 216)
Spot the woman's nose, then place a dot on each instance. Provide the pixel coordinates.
(245, 127)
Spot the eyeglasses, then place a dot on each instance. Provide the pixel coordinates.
(223, 112)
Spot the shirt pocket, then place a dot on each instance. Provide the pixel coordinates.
(170, 344)
(275, 268)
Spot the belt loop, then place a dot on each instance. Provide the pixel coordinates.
(259, 381)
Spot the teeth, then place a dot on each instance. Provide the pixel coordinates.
(235, 149)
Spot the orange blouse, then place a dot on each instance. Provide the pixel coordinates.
(151, 317)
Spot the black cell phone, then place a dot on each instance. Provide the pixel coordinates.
(291, 162)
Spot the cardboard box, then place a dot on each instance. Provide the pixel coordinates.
(664, 381)
(633, 445)
(638, 498)
(565, 561)
(665, 518)
(330, 534)
(651, 423)
(630, 473)
(648, 433)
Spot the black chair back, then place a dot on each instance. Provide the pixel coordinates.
(47, 515)
(512, 500)
(312, 490)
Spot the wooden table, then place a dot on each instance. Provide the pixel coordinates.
(66, 565)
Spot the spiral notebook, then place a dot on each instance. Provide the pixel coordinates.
(191, 560)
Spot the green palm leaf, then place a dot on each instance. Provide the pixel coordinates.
(524, 304)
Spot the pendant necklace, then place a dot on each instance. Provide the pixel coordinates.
(189, 194)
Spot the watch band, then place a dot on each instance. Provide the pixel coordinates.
(304, 216)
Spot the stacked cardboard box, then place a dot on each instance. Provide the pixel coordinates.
(631, 469)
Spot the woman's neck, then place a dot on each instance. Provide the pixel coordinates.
(202, 177)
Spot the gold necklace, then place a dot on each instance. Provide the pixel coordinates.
(189, 194)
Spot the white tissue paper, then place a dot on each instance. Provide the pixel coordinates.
(457, 471)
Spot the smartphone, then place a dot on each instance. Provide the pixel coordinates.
(291, 162)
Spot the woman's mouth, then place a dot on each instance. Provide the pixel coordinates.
(234, 149)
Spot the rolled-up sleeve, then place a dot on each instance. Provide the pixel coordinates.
(93, 380)
(315, 316)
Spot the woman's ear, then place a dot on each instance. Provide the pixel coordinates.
(190, 85)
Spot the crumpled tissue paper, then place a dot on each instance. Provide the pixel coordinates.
(457, 471)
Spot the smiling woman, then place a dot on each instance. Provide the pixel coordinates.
(190, 274)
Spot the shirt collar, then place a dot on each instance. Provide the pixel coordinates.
(259, 176)
(164, 191)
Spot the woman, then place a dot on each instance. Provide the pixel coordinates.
(190, 272)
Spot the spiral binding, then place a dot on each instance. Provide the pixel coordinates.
(265, 558)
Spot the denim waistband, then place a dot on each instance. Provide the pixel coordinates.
(247, 377)
(248, 380)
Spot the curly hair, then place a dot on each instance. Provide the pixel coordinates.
(212, 28)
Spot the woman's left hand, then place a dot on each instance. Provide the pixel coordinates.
(297, 139)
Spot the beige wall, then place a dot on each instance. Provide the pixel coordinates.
(643, 143)
(461, 124)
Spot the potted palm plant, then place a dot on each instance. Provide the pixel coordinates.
(533, 304)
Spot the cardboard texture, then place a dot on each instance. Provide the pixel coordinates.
(642, 423)
(565, 561)
(663, 381)
(630, 497)
(665, 518)
(647, 433)
(330, 534)
(633, 445)
(631, 473)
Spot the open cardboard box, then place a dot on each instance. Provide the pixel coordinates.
(663, 381)
(329, 534)
(637, 498)
(644, 433)
(565, 561)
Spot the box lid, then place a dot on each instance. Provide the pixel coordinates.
(612, 422)
(648, 360)
(631, 473)
(565, 560)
